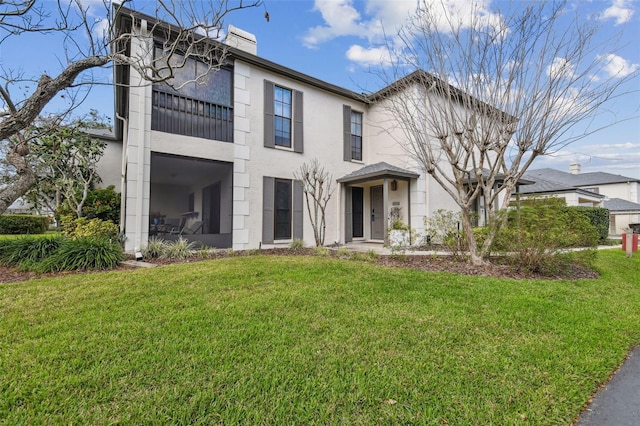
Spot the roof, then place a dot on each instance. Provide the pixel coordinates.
(499, 177)
(620, 205)
(580, 179)
(542, 186)
(378, 171)
(124, 13)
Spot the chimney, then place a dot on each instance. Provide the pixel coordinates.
(241, 40)
(574, 168)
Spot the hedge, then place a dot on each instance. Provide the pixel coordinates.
(23, 224)
(599, 217)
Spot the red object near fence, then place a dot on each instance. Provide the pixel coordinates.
(634, 242)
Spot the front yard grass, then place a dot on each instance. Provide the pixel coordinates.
(311, 340)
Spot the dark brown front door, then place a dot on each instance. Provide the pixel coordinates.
(377, 213)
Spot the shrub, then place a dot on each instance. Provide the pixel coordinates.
(443, 227)
(101, 203)
(297, 245)
(28, 250)
(155, 248)
(83, 254)
(537, 233)
(599, 217)
(88, 228)
(23, 224)
(321, 251)
(180, 249)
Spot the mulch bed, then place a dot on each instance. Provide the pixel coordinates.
(425, 263)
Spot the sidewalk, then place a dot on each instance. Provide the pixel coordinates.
(618, 402)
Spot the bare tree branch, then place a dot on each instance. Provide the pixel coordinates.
(187, 27)
(492, 93)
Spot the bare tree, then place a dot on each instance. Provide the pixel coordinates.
(189, 27)
(316, 185)
(491, 92)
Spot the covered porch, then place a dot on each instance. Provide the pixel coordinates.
(373, 198)
(191, 198)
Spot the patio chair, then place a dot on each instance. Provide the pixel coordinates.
(194, 228)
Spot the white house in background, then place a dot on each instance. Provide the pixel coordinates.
(619, 194)
(218, 159)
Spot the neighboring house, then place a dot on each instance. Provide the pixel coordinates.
(619, 194)
(219, 158)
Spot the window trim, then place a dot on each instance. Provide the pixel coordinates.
(269, 210)
(296, 119)
(347, 155)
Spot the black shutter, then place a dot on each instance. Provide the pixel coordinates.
(298, 134)
(268, 188)
(346, 125)
(348, 215)
(269, 133)
(298, 210)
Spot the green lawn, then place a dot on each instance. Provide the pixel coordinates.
(310, 340)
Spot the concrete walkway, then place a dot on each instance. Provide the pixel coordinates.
(618, 402)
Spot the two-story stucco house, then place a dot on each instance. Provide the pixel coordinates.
(217, 159)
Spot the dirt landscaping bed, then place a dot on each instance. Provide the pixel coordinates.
(495, 268)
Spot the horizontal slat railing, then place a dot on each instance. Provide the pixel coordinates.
(191, 117)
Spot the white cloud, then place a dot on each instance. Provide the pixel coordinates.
(620, 10)
(561, 68)
(369, 56)
(617, 66)
(341, 18)
(463, 13)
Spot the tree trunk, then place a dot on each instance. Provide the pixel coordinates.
(475, 258)
(23, 181)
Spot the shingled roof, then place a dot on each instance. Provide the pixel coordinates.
(378, 171)
(619, 205)
(580, 179)
(542, 186)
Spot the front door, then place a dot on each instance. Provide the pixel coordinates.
(377, 213)
(357, 205)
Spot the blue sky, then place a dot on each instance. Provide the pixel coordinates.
(340, 41)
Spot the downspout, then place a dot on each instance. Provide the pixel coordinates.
(141, 141)
(123, 172)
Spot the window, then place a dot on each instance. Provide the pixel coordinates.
(352, 127)
(282, 209)
(282, 117)
(356, 135)
(595, 190)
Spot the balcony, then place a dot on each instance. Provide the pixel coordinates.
(181, 115)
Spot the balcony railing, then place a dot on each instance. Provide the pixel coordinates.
(191, 117)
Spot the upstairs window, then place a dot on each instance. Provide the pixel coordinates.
(356, 135)
(282, 116)
(352, 128)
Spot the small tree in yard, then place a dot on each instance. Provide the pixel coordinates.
(316, 184)
(64, 160)
(89, 41)
(499, 90)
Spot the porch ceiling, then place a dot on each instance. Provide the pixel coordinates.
(177, 170)
(378, 171)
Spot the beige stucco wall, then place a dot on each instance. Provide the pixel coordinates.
(323, 138)
(110, 165)
(629, 191)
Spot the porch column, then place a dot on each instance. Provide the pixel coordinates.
(385, 209)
